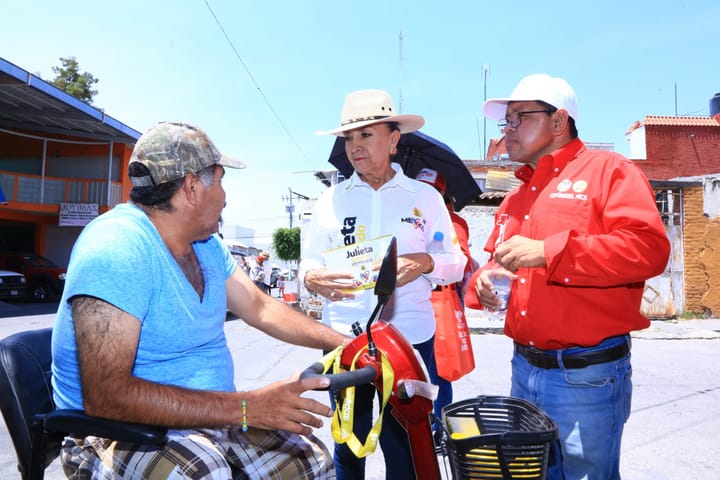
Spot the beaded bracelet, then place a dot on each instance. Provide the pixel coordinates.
(244, 416)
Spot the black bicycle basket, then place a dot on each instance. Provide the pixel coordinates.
(494, 437)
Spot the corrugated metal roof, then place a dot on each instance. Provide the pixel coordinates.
(501, 180)
(29, 103)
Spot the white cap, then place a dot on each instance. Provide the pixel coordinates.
(539, 87)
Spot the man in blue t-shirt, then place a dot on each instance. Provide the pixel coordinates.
(139, 334)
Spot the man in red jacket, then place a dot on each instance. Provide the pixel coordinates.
(579, 237)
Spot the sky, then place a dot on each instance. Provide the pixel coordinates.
(261, 76)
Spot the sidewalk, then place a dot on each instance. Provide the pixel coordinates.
(671, 434)
(658, 329)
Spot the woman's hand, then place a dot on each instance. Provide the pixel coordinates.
(410, 266)
(331, 285)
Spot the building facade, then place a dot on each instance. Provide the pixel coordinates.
(62, 163)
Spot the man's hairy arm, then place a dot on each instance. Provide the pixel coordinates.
(107, 340)
(276, 318)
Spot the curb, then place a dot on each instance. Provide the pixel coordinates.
(693, 329)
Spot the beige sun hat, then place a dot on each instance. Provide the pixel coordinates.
(366, 107)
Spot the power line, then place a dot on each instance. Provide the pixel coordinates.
(257, 86)
(267, 218)
(695, 113)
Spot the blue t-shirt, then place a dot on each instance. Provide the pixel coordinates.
(121, 259)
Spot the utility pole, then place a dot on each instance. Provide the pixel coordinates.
(486, 70)
(289, 207)
(400, 61)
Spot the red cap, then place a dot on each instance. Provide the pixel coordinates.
(434, 178)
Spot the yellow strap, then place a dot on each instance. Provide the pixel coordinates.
(331, 357)
(342, 422)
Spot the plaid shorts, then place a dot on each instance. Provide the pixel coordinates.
(221, 454)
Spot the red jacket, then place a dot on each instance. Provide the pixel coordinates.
(596, 213)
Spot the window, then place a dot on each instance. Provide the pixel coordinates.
(669, 203)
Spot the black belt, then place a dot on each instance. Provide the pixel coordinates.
(548, 358)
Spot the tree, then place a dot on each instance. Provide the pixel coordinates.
(69, 79)
(286, 243)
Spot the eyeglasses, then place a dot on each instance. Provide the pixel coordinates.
(515, 122)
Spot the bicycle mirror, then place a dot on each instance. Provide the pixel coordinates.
(387, 276)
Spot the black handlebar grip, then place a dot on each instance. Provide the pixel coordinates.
(338, 381)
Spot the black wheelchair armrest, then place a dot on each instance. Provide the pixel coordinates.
(76, 423)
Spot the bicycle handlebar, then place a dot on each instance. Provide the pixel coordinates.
(339, 381)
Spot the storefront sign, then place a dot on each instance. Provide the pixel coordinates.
(77, 214)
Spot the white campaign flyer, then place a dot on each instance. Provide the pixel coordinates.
(362, 259)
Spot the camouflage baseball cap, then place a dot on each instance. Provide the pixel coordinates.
(171, 150)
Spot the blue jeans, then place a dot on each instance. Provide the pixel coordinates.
(393, 437)
(445, 392)
(590, 407)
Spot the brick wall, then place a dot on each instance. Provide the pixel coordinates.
(679, 151)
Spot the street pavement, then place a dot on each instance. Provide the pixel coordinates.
(671, 434)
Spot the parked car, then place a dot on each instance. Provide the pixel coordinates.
(45, 280)
(12, 285)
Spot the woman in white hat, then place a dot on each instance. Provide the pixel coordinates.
(378, 201)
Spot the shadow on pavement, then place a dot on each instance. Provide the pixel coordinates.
(21, 309)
